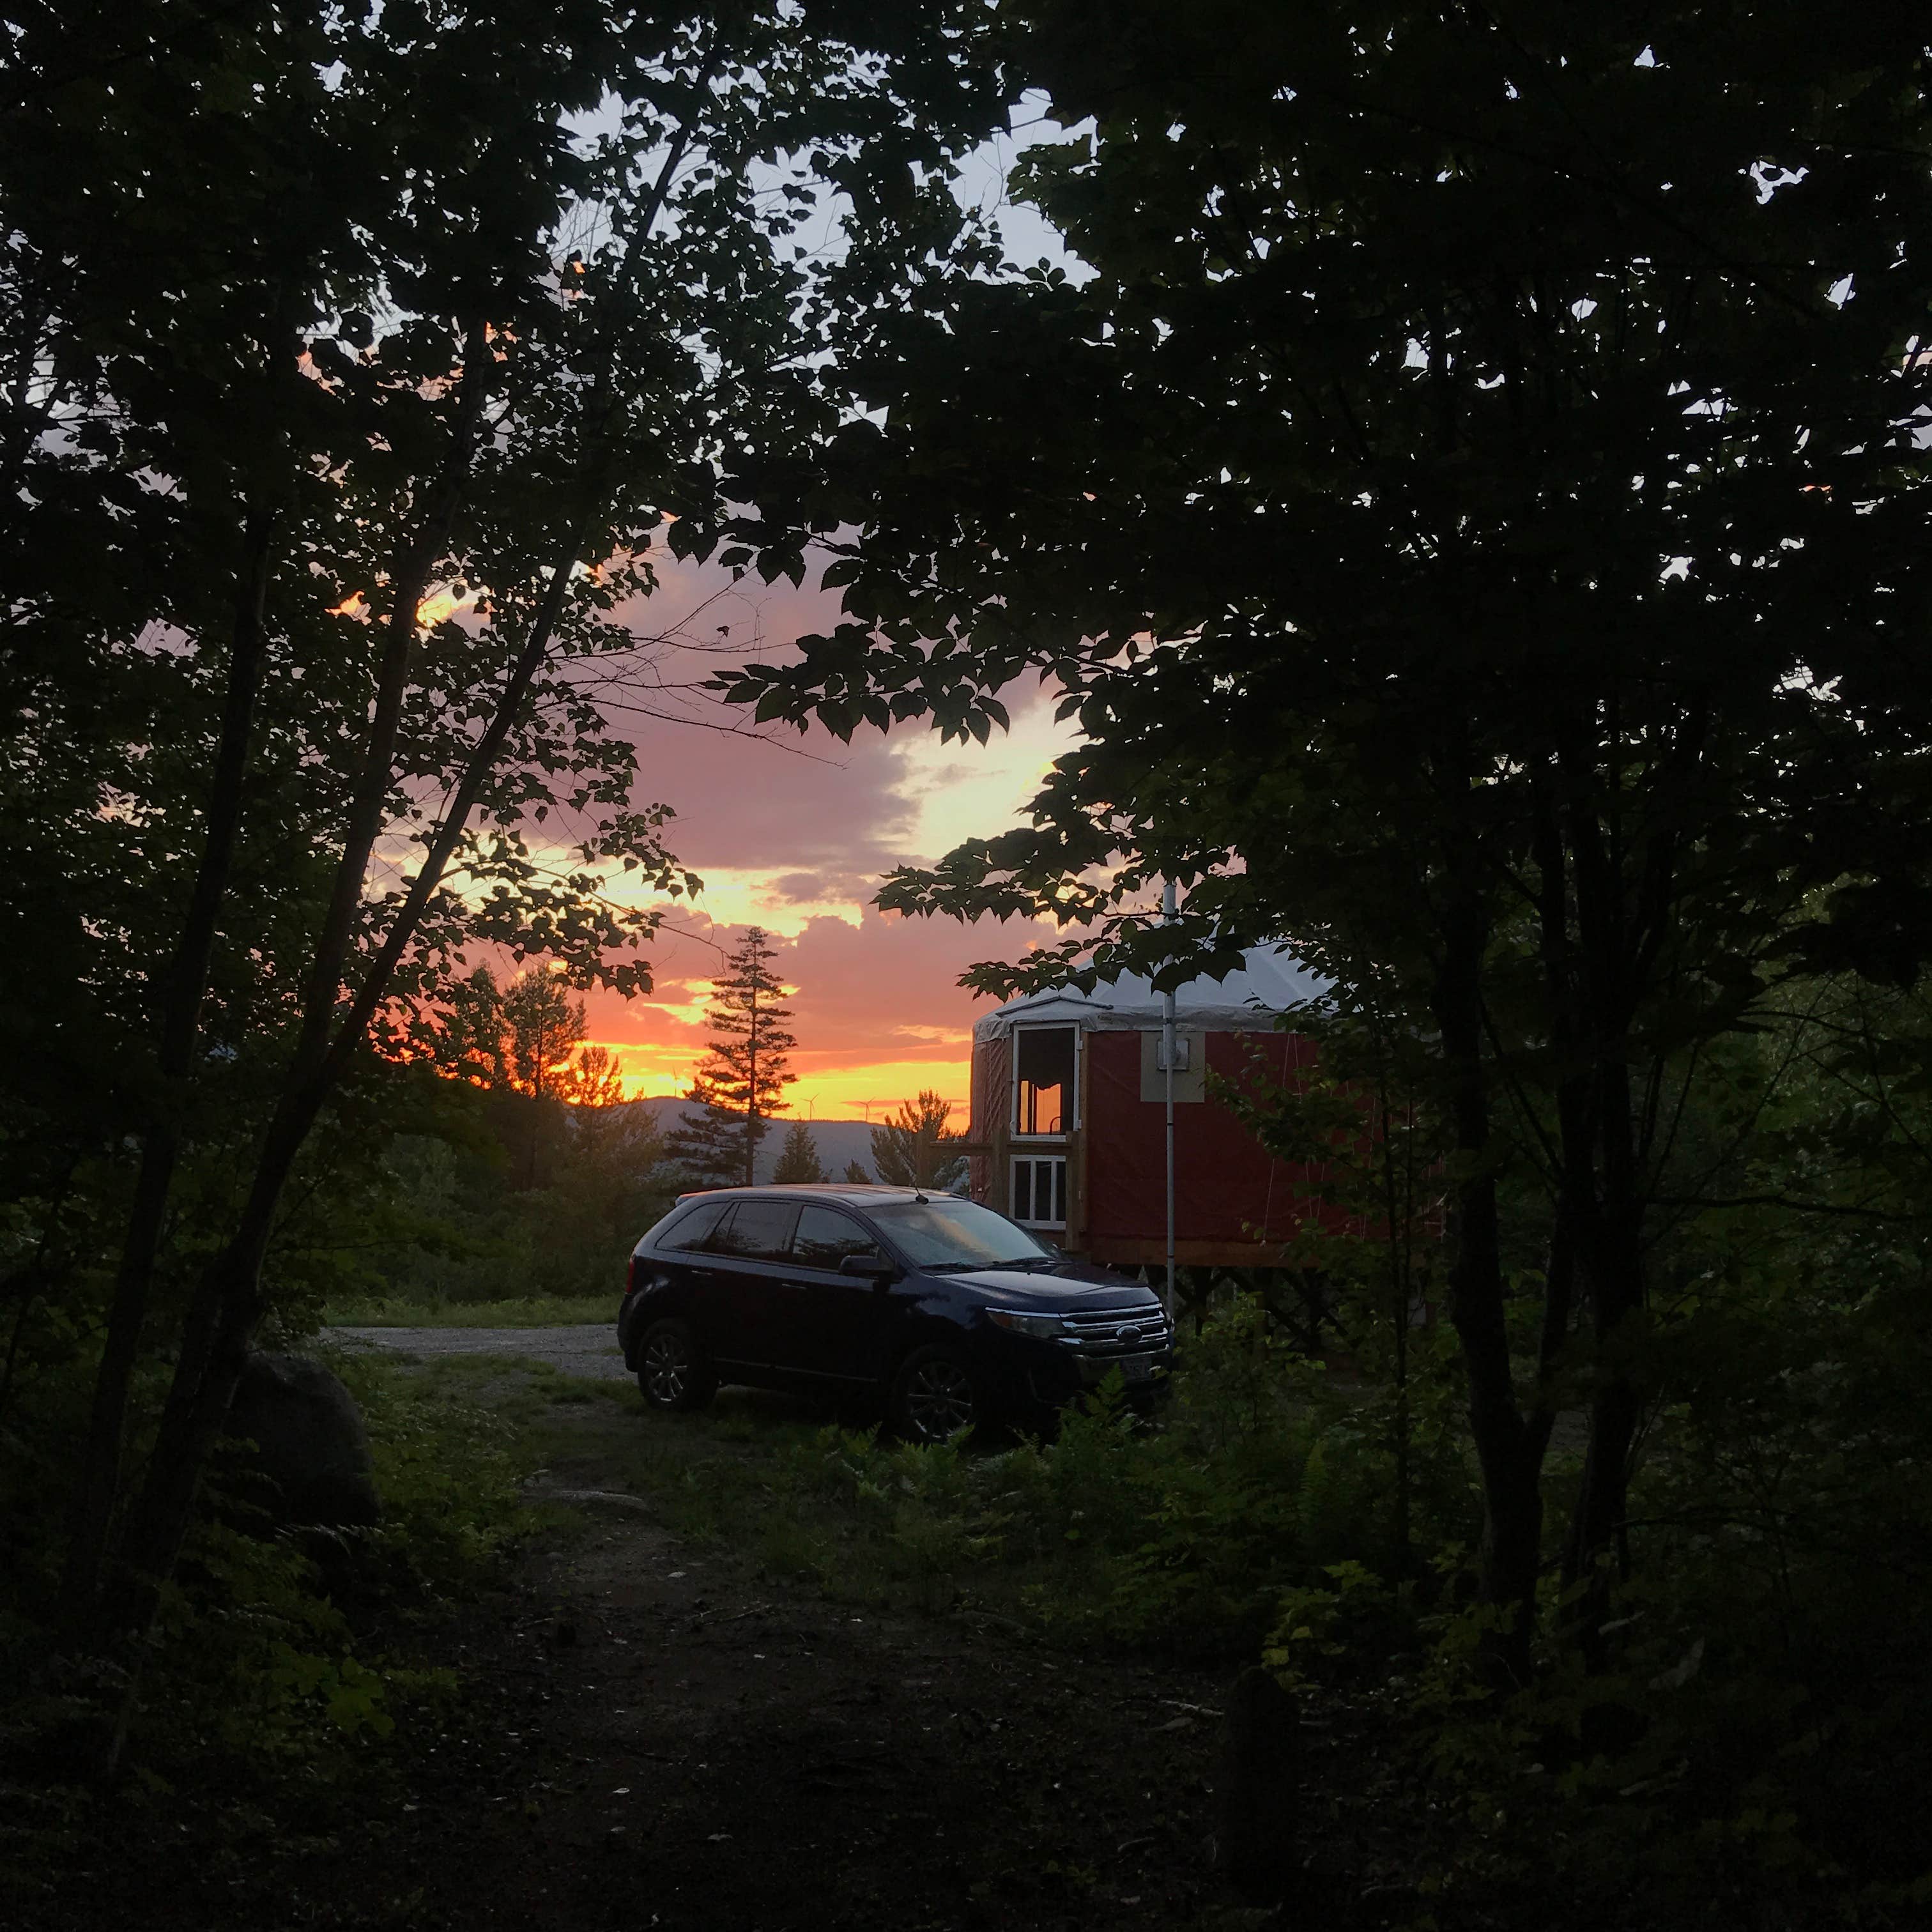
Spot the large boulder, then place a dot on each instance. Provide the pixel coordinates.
(1255, 1789)
(310, 1463)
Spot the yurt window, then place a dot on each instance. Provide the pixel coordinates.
(1043, 1061)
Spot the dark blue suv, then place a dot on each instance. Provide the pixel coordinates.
(945, 1312)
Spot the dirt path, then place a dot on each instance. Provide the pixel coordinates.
(584, 1349)
(696, 1750)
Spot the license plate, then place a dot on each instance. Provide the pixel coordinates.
(1133, 1368)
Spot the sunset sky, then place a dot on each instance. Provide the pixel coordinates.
(797, 843)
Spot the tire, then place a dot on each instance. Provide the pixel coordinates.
(673, 1372)
(935, 1397)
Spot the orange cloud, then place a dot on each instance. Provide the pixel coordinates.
(432, 611)
(439, 605)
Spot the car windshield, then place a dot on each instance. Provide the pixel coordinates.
(947, 1233)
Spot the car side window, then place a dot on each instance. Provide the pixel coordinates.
(691, 1232)
(825, 1237)
(758, 1231)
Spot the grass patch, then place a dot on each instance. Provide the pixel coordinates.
(450, 1459)
(1188, 1538)
(1185, 1538)
(534, 1311)
(1048, 1536)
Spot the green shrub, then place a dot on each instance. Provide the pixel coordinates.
(1182, 1536)
(277, 1664)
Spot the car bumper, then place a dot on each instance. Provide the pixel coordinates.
(630, 1328)
(1035, 1380)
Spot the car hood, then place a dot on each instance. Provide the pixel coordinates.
(1069, 1282)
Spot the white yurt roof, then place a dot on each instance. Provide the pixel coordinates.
(1269, 980)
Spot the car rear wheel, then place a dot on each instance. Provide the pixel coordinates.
(935, 1396)
(673, 1369)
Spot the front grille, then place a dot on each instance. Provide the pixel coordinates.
(1096, 1331)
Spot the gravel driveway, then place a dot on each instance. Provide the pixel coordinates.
(582, 1350)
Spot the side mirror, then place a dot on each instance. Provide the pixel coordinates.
(870, 1268)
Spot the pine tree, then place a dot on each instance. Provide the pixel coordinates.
(472, 1044)
(911, 1150)
(520, 1041)
(798, 1159)
(596, 1078)
(542, 1027)
(856, 1175)
(741, 1081)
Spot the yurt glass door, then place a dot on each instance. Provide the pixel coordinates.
(1040, 1190)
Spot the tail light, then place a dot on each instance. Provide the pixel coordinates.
(631, 1278)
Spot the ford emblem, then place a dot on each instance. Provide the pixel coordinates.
(1127, 1334)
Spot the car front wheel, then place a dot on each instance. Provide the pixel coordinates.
(672, 1370)
(935, 1397)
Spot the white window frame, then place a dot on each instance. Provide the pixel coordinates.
(1069, 1115)
(1035, 1162)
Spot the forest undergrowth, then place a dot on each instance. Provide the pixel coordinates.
(1742, 1757)
(288, 1675)
(1750, 1756)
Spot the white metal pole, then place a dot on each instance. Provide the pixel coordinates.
(1167, 1056)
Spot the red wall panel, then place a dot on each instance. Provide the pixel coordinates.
(1227, 1186)
(990, 1107)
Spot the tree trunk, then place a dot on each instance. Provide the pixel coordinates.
(1617, 1297)
(1397, 1207)
(1575, 1150)
(752, 1087)
(147, 1538)
(1622, 924)
(187, 986)
(214, 1351)
(228, 1301)
(369, 802)
(1511, 1546)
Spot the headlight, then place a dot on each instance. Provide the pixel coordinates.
(1043, 1327)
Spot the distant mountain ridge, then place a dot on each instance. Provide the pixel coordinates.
(838, 1141)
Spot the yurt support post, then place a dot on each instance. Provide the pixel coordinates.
(1167, 1061)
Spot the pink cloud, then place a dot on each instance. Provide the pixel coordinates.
(883, 992)
(816, 822)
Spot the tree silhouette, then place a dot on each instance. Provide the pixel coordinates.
(910, 1149)
(522, 1042)
(799, 1164)
(471, 1043)
(1583, 596)
(741, 1082)
(595, 1078)
(542, 1027)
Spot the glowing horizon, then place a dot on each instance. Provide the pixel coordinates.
(851, 1092)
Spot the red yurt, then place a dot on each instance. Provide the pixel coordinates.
(1069, 1116)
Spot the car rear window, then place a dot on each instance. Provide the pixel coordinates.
(758, 1231)
(690, 1232)
(825, 1237)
